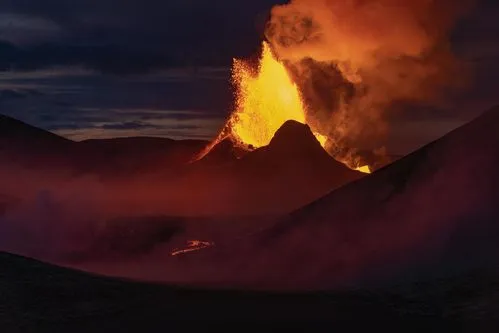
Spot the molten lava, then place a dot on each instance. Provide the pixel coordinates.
(364, 169)
(265, 100)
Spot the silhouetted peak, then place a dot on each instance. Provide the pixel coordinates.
(14, 131)
(295, 136)
(292, 130)
(294, 144)
(223, 151)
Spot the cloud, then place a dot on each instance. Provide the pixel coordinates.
(184, 127)
(137, 35)
(129, 125)
(140, 35)
(25, 29)
(68, 126)
(82, 105)
(12, 94)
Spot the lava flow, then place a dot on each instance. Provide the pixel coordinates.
(265, 100)
(192, 246)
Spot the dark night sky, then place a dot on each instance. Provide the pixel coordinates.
(139, 36)
(145, 33)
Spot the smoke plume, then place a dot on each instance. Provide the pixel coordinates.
(354, 58)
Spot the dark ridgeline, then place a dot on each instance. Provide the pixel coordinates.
(26, 146)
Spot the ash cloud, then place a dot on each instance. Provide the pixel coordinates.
(354, 59)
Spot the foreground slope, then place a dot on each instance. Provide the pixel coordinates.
(42, 298)
(430, 213)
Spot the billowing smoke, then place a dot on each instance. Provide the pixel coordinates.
(353, 59)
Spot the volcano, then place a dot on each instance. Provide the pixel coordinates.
(295, 149)
(35, 299)
(293, 169)
(266, 98)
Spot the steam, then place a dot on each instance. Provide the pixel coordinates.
(355, 58)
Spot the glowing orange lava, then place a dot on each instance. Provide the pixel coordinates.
(364, 169)
(265, 100)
